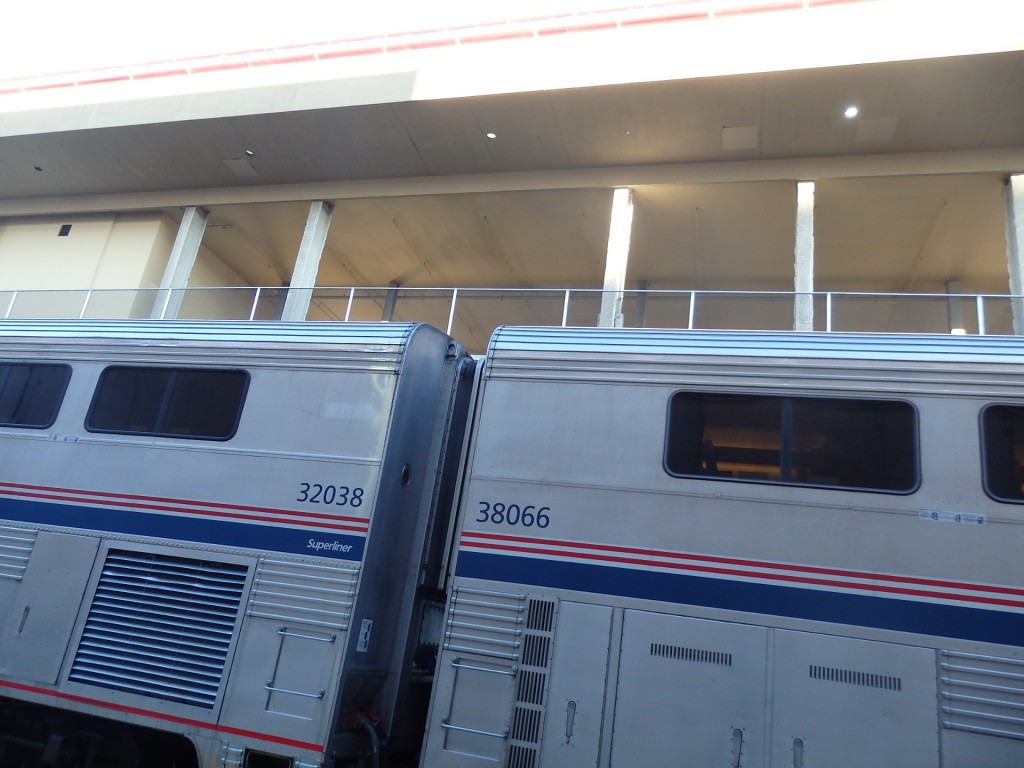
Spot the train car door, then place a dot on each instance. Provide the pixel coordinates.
(33, 642)
(576, 692)
(691, 693)
(846, 703)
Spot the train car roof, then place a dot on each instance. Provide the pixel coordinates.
(384, 347)
(615, 342)
(387, 334)
(986, 366)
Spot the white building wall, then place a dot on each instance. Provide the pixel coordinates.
(117, 253)
(106, 266)
(218, 303)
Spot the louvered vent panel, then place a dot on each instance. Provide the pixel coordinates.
(855, 677)
(160, 626)
(530, 688)
(535, 650)
(534, 658)
(15, 549)
(521, 757)
(318, 595)
(699, 655)
(485, 622)
(541, 615)
(983, 694)
(526, 725)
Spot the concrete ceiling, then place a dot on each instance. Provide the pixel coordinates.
(953, 104)
(530, 207)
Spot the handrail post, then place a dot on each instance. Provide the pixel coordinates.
(451, 312)
(565, 309)
(10, 307)
(979, 301)
(255, 301)
(166, 302)
(828, 312)
(693, 310)
(85, 304)
(351, 297)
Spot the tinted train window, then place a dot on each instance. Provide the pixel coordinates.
(842, 443)
(168, 402)
(30, 395)
(1002, 428)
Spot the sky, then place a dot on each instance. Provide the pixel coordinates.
(60, 36)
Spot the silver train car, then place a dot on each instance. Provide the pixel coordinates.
(737, 549)
(218, 541)
(288, 546)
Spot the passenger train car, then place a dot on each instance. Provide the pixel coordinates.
(267, 545)
(722, 549)
(215, 540)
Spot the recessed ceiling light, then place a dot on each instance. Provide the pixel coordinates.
(851, 111)
(491, 135)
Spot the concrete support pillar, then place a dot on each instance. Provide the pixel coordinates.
(803, 270)
(390, 301)
(617, 259)
(179, 266)
(1013, 200)
(307, 262)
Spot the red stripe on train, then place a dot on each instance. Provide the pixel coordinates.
(167, 718)
(715, 565)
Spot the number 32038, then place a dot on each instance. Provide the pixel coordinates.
(513, 514)
(337, 495)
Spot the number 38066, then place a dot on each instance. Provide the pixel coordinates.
(513, 514)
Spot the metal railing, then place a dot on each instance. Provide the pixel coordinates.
(475, 312)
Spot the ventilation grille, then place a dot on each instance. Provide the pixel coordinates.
(15, 550)
(522, 757)
(321, 596)
(852, 677)
(160, 626)
(535, 650)
(983, 694)
(526, 725)
(682, 653)
(531, 686)
(540, 615)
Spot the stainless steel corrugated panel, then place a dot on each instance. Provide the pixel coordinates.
(317, 595)
(508, 341)
(160, 626)
(833, 360)
(16, 546)
(983, 694)
(354, 346)
(386, 334)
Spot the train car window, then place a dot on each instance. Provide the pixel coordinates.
(168, 402)
(31, 394)
(825, 442)
(1002, 439)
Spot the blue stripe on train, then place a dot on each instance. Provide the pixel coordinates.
(315, 543)
(936, 619)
